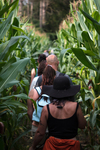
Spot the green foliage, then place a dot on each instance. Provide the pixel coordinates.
(78, 50)
(19, 50)
(14, 83)
(79, 47)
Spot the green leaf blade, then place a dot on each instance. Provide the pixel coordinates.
(83, 59)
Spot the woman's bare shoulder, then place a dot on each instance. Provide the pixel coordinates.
(45, 108)
(70, 107)
(45, 111)
(31, 92)
(70, 104)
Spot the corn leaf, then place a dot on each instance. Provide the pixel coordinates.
(97, 2)
(83, 25)
(11, 43)
(7, 65)
(84, 7)
(10, 84)
(12, 72)
(14, 7)
(18, 29)
(93, 21)
(94, 117)
(5, 26)
(82, 58)
(89, 44)
(3, 46)
(5, 9)
(62, 53)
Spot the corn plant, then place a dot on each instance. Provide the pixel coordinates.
(79, 47)
(14, 83)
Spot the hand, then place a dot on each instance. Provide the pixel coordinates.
(31, 148)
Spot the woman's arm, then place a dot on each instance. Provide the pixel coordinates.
(32, 74)
(30, 109)
(33, 95)
(41, 129)
(81, 120)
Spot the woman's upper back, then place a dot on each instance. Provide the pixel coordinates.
(67, 111)
(63, 122)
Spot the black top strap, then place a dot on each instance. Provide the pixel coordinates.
(39, 81)
(48, 109)
(77, 106)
